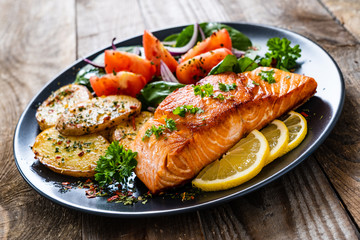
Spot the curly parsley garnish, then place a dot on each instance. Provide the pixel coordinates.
(227, 87)
(170, 124)
(182, 110)
(281, 55)
(159, 130)
(116, 166)
(205, 90)
(267, 76)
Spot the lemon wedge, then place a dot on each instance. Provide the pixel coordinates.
(297, 126)
(241, 163)
(277, 135)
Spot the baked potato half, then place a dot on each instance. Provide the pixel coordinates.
(126, 131)
(67, 96)
(73, 156)
(97, 114)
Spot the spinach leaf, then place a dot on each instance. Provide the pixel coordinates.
(238, 39)
(231, 64)
(154, 93)
(83, 76)
(172, 37)
(247, 64)
(226, 65)
(185, 36)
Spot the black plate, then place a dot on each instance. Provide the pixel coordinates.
(324, 109)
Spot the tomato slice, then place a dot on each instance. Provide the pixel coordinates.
(194, 69)
(121, 83)
(219, 39)
(155, 51)
(116, 61)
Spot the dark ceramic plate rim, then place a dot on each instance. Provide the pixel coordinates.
(196, 206)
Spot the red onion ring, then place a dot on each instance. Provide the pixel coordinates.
(238, 53)
(181, 50)
(202, 33)
(93, 64)
(166, 74)
(112, 44)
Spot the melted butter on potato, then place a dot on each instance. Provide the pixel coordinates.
(56, 104)
(73, 156)
(126, 131)
(97, 114)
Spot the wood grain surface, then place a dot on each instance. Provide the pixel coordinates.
(318, 200)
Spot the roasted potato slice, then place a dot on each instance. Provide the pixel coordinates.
(126, 131)
(97, 114)
(73, 156)
(67, 96)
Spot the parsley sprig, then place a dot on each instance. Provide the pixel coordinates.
(267, 76)
(205, 90)
(159, 130)
(281, 55)
(227, 87)
(116, 166)
(170, 124)
(182, 110)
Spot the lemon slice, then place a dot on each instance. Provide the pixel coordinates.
(297, 126)
(241, 163)
(277, 135)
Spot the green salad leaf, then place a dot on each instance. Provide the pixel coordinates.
(116, 166)
(226, 65)
(238, 39)
(154, 93)
(171, 37)
(231, 64)
(84, 75)
(247, 64)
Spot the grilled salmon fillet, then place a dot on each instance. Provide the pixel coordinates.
(175, 157)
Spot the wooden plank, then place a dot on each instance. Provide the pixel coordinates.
(306, 17)
(300, 205)
(98, 22)
(95, 30)
(339, 155)
(347, 12)
(165, 14)
(183, 226)
(35, 45)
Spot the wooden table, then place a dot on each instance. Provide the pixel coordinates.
(319, 199)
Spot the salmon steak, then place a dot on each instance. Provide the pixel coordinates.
(174, 157)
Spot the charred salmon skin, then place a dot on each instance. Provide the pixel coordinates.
(175, 157)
